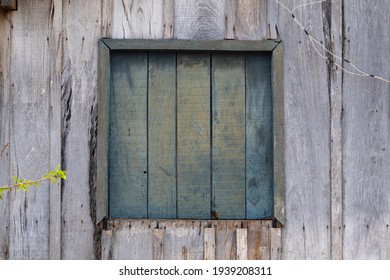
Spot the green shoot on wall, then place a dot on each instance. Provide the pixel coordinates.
(22, 184)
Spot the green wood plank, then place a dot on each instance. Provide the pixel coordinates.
(103, 129)
(193, 135)
(191, 45)
(162, 135)
(259, 136)
(228, 135)
(128, 135)
(278, 123)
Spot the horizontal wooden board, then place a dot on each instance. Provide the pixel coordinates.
(173, 45)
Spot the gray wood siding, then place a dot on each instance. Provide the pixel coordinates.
(337, 127)
(366, 135)
(307, 140)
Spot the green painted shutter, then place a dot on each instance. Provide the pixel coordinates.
(191, 135)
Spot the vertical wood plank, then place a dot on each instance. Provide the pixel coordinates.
(128, 135)
(5, 125)
(366, 133)
(162, 135)
(250, 20)
(259, 137)
(272, 20)
(225, 240)
(279, 134)
(141, 19)
(132, 239)
(334, 23)
(209, 244)
(276, 243)
(30, 155)
(183, 239)
(82, 27)
(168, 19)
(199, 19)
(193, 135)
(158, 244)
(55, 128)
(230, 19)
(242, 243)
(228, 135)
(103, 132)
(307, 149)
(107, 13)
(259, 246)
(106, 243)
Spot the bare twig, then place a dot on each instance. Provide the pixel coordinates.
(3, 149)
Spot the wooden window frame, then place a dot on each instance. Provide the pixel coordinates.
(107, 46)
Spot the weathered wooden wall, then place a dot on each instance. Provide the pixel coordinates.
(337, 127)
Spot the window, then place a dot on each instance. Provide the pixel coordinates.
(190, 130)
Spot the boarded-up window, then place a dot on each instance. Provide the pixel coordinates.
(190, 130)
(191, 135)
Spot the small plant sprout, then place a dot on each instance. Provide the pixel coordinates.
(22, 184)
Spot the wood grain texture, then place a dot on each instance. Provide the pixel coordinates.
(199, 19)
(278, 99)
(158, 244)
(128, 136)
(366, 133)
(183, 240)
(276, 243)
(306, 234)
(258, 239)
(225, 241)
(81, 29)
(107, 18)
(138, 19)
(259, 137)
(188, 45)
(209, 244)
(168, 19)
(333, 26)
(5, 125)
(162, 135)
(55, 40)
(106, 243)
(104, 90)
(242, 243)
(30, 155)
(246, 20)
(272, 19)
(193, 135)
(228, 135)
(354, 113)
(131, 240)
(230, 19)
(186, 239)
